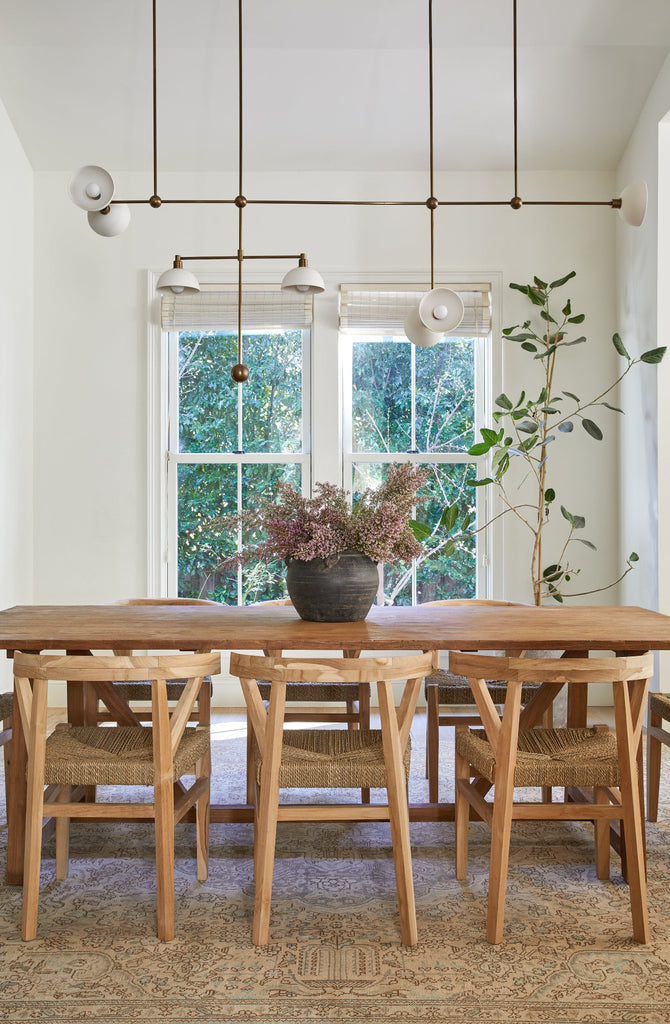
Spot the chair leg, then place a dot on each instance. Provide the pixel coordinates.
(653, 767)
(461, 817)
(34, 811)
(433, 743)
(265, 837)
(63, 837)
(251, 784)
(364, 723)
(633, 820)
(501, 829)
(398, 814)
(164, 826)
(602, 837)
(203, 769)
(547, 722)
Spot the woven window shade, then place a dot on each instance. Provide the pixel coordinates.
(217, 310)
(375, 309)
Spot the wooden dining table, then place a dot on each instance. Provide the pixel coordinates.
(576, 630)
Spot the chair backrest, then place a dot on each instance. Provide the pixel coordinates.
(332, 670)
(108, 668)
(552, 670)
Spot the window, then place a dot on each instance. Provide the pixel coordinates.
(229, 444)
(421, 405)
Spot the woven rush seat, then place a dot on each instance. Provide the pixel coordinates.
(332, 758)
(549, 757)
(93, 756)
(6, 705)
(453, 689)
(659, 703)
(142, 690)
(325, 692)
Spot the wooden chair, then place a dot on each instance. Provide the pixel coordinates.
(6, 712)
(120, 710)
(355, 714)
(659, 711)
(331, 758)
(598, 768)
(447, 694)
(90, 756)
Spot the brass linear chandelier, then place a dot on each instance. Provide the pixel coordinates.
(439, 311)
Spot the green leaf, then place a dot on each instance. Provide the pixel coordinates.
(567, 309)
(567, 515)
(614, 408)
(593, 429)
(552, 573)
(619, 346)
(572, 396)
(540, 283)
(633, 557)
(577, 341)
(567, 427)
(420, 530)
(480, 483)
(528, 346)
(587, 543)
(535, 296)
(520, 287)
(521, 398)
(578, 319)
(492, 436)
(481, 448)
(549, 495)
(654, 355)
(557, 597)
(449, 517)
(579, 522)
(548, 317)
(448, 549)
(562, 280)
(466, 522)
(503, 401)
(527, 426)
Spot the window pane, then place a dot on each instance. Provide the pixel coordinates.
(445, 396)
(206, 492)
(272, 397)
(263, 581)
(207, 395)
(437, 577)
(381, 395)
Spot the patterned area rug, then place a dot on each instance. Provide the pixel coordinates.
(335, 954)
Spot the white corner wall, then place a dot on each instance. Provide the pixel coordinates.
(643, 271)
(16, 375)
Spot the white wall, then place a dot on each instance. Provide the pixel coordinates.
(16, 373)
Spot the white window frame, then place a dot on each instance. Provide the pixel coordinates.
(327, 457)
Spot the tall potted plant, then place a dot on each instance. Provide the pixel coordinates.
(522, 440)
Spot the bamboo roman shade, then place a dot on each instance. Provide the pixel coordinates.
(217, 310)
(379, 309)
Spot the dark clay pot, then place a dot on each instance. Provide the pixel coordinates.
(340, 588)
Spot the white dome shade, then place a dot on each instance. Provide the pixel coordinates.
(441, 310)
(303, 279)
(114, 222)
(91, 188)
(177, 280)
(418, 333)
(634, 203)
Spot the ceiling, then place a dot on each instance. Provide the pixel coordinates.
(333, 85)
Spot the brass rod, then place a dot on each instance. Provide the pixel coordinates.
(239, 97)
(291, 256)
(364, 202)
(155, 118)
(516, 165)
(430, 132)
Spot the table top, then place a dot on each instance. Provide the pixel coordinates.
(473, 627)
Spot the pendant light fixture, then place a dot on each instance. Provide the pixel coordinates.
(439, 311)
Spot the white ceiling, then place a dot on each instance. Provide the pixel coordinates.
(328, 84)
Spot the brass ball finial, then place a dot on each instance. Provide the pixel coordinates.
(516, 202)
(240, 373)
(432, 203)
(240, 202)
(155, 201)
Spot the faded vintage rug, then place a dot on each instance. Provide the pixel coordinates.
(335, 954)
